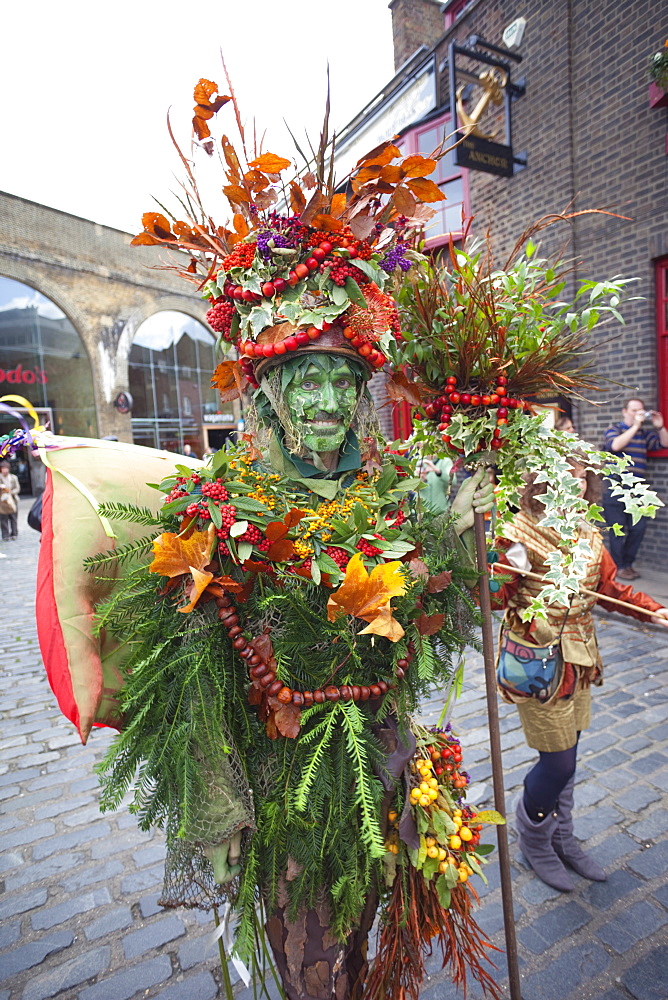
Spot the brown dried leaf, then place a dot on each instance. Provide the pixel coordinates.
(293, 517)
(419, 569)
(297, 198)
(398, 387)
(288, 721)
(281, 551)
(430, 624)
(316, 202)
(439, 582)
(309, 181)
(145, 240)
(274, 334)
(403, 201)
(362, 226)
(157, 225)
(253, 453)
(265, 199)
(276, 530)
(231, 159)
(256, 180)
(384, 624)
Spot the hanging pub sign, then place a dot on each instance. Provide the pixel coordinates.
(481, 99)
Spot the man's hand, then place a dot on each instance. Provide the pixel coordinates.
(224, 859)
(663, 613)
(657, 420)
(475, 494)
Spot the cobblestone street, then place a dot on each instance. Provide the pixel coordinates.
(78, 893)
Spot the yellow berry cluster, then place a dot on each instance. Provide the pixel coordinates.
(392, 842)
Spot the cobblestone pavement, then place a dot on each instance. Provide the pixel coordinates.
(78, 893)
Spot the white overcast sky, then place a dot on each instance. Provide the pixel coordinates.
(85, 87)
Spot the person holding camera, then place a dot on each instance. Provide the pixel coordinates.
(633, 439)
(9, 502)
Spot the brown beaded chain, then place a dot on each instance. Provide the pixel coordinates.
(259, 671)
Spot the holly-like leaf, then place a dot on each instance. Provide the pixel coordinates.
(228, 378)
(425, 190)
(364, 595)
(437, 583)
(430, 624)
(270, 163)
(174, 555)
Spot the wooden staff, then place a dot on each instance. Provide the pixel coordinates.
(488, 651)
(583, 590)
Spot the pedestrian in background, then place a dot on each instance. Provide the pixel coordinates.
(9, 502)
(553, 720)
(629, 437)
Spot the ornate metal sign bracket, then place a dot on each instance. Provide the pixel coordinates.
(480, 149)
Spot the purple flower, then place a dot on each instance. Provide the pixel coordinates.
(395, 258)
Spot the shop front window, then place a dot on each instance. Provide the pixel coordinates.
(43, 359)
(171, 361)
(451, 179)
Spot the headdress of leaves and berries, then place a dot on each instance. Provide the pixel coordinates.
(300, 252)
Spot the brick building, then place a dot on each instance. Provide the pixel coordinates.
(591, 140)
(85, 317)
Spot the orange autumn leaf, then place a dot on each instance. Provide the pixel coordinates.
(380, 155)
(425, 190)
(297, 198)
(270, 163)
(236, 194)
(205, 108)
(228, 380)
(338, 204)
(231, 159)
(174, 555)
(327, 223)
(403, 200)
(418, 166)
(200, 581)
(363, 595)
(240, 225)
(384, 624)
(281, 551)
(392, 174)
(157, 225)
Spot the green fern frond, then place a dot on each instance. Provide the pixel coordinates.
(128, 512)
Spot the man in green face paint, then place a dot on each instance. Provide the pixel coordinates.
(325, 400)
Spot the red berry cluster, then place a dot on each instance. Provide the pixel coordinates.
(447, 758)
(265, 676)
(176, 494)
(228, 514)
(242, 256)
(215, 490)
(342, 269)
(367, 548)
(198, 510)
(252, 534)
(220, 317)
(340, 556)
(364, 347)
(441, 409)
(397, 517)
(265, 545)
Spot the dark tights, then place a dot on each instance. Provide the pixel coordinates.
(547, 779)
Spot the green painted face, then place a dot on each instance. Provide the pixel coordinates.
(323, 403)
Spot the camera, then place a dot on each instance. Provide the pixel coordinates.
(647, 414)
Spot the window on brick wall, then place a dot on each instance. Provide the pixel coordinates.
(454, 11)
(451, 179)
(662, 336)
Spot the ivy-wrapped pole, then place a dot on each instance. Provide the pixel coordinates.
(495, 750)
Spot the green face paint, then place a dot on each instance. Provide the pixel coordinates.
(322, 404)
